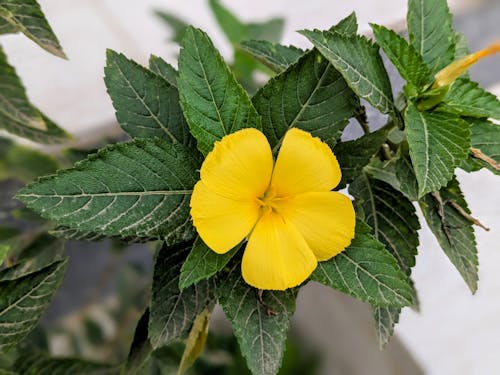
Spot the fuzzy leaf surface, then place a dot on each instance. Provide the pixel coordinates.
(359, 61)
(261, 336)
(140, 188)
(23, 301)
(214, 104)
(173, 311)
(438, 144)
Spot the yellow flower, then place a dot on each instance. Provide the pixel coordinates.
(288, 212)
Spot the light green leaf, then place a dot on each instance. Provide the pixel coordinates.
(273, 55)
(385, 319)
(485, 137)
(310, 95)
(260, 328)
(366, 270)
(438, 144)
(146, 105)
(466, 98)
(271, 30)
(23, 300)
(453, 231)
(139, 188)
(356, 154)
(404, 56)
(431, 32)
(173, 311)
(213, 102)
(195, 341)
(233, 28)
(348, 26)
(177, 25)
(383, 171)
(27, 17)
(4, 251)
(358, 60)
(140, 349)
(159, 66)
(31, 362)
(202, 263)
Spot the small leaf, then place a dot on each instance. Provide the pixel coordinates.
(358, 60)
(404, 56)
(354, 155)
(310, 95)
(202, 263)
(348, 26)
(177, 25)
(405, 174)
(466, 98)
(260, 328)
(139, 188)
(385, 319)
(23, 301)
(273, 55)
(452, 230)
(195, 341)
(233, 28)
(140, 349)
(146, 105)
(438, 144)
(366, 270)
(431, 32)
(159, 66)
(213, 102)
(173, 311)
(485, 139)
(27, 17)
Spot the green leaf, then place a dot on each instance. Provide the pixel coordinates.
(173, 311)
(404, 56)
(385, 319)
(367, 271)
(233, 28)
(438, 144)
(383, 171)
(4, 251)
(7, 28)
(140, 349)
(405, 174)
(485, 137)
(354, 155)
(310, 95)
(273, 55)
(431, 32)
(13, 100)
(348, 26)
(139, 188)
(202, 263)
(271, 30)
(195, 341)
(177, 25)
(466, 98)
(452, 230)
(162, 68)
(213, 102)
(358, 60)
(260, 328)
(27, 17)
(23, 301)
(38, 363)
(146, 105)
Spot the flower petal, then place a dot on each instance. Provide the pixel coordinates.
(222, 223)
(277, 256)
(325, 220)
(304, 164)
(239, 166)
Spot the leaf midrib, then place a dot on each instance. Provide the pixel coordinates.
(109, 194)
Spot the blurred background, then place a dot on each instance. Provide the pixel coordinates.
(454, 333)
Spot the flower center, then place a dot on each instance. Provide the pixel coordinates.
(269, 201)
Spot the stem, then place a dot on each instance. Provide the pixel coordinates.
(363, 119)
(466, 215)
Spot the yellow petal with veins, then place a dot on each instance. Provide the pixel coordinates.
(304, 164)
(221, 222)
(239, 166)
(276, 257)
(325, 220)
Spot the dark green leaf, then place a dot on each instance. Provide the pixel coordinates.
(310, 95)
(273, 55)
(366, 270)
(177, 25)
(348, 26)
(140, 349)
(404, 56)
(38, 363)
(159, 66)
(146, 105)
(356, 154)
(466, 98)
(438, 144)
(139, 189)
(358, 60)
(233, 28)
(260, 334)
(485, 137)
(406, 176)
(431, 32)
(202, 263)
(452, 230)
(385, 320)
(27, 17)
(173, 311)
(213, 102)
(23, 300)
(7, 28)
